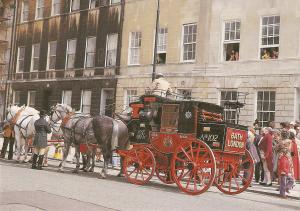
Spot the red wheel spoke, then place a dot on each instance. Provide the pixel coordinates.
(132, 172)
(142, 175)
(183, 150)
(188, 182)
(229, 187)
(197, 153)
(179, 168)
(192, 152)
(237, 184)
(195, 182)
(182, 176)
(243, 178)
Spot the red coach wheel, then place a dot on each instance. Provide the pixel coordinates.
(164, 175)
(139, 165)
(163, 169)
(193, 167)
(234, 176)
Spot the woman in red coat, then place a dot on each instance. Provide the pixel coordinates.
(266, 153)
(295, 157)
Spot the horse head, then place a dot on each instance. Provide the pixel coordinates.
(59, 111)
(11, 111)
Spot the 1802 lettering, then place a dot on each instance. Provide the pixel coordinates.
(209, 137)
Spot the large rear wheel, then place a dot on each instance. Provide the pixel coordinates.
(139, 165)
(193, 167)
(234, 172)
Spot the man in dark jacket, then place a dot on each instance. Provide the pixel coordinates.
(40, 140)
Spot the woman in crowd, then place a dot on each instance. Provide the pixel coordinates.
(259, 171)
(285, 167)
(295, 156)
(276, 141)
(266, 154)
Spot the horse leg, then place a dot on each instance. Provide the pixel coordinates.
(77, 156)
(121, 173)
(18, 147)
(26, 147)
(93, 161)
(105, 163)
(65, 155)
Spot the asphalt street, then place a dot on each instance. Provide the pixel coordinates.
(25, 189)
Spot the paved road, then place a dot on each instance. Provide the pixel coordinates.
(25, 189)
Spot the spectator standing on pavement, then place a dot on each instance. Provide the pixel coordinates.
(266, 154)
(40, 140)
(285, 168)
(295, 156)
(259, 171)
(9, 139)
(276, 142)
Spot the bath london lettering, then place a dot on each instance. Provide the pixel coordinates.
(236, 140)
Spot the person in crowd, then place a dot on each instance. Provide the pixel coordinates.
(285, 167)
(276, 142)
(256, 126)
(266, 55)
(160, 86)
(40, 141)
(284, 172)
(295, 156)
(236, 56)
(271, 124)
(251, 146)
(274, 54)
(259, 171)
(284, 126)
(232, 56)
(266, 154)
(9, 139)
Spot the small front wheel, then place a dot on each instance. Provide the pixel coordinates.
(139, 165)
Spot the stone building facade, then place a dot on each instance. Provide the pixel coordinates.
(217, 51)
(67, 51)
(6, 17)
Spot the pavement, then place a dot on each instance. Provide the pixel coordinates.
(255, 187)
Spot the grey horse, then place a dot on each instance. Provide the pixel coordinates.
(78, 129)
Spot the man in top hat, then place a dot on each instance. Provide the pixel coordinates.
(160, 86)
(40, 140)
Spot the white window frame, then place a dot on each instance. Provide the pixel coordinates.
(82, 101)
(64, 92)
(111, 50)
(18, 61)
(128, 95)
(42, 6)
(261, 46)
(162, 43)
(111, 2)
(29, 96)
(71, 6)
(88, 53)
(228, 110)
(54, 4)
(14, 97)
(104, 97)
(23, 11)
(90, 4)
(33, 58)
(193, 42)
(137, 47)
(67, 54)
(265, 111)
(49, 55)
(231, 41)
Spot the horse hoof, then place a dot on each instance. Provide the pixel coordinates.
(75, 171)
(120, 175)
(84, 170)
(91, 170)
(102, 177)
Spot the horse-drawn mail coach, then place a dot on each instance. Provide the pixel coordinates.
(186, 142)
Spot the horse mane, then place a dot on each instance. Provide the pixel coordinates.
(31, 110)
(65, 106)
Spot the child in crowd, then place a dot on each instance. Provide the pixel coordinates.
(284, 173)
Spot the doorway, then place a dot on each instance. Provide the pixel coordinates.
(107, 105)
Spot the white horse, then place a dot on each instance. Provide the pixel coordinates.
(23, 119)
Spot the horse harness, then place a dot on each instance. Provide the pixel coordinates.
(26, 126)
